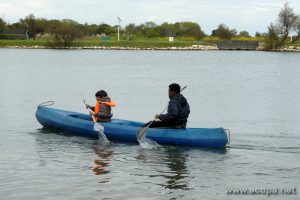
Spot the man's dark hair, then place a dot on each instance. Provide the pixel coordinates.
(101, 93)
(175, 88)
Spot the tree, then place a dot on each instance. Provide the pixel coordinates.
(224, 32)
(64, 33)
(16, 25)
(70, 21)
(258, 34)
(41, 26)
(111, 30)
(286, 21)
(89, 29)
(244, 34)
(278, 33)
(102, 27)
(153, 32)
(2, 25)
(130, 30)
(29, 23)
(189, 29)
(149, 29)
(297, 29)
(167, 30)
(272, 39)
(150, 25)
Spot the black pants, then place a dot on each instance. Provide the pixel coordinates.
(169, 124)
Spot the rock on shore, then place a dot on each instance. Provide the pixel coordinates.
(190, 48)
(194, 47)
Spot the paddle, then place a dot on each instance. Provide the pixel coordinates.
(141, 134)
(97, 126)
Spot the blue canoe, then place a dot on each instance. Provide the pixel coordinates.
(125, 130)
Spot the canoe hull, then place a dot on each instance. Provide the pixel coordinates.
(125, 130)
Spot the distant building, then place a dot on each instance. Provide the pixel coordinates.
(14, 34)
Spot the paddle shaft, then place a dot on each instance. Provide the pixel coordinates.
(93, 117)
(159, 114)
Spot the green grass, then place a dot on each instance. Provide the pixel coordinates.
(297, 43)
(212, 38)
(260, 39)
(94, 41)
(27, 43)
(137, 42)
(140, 43)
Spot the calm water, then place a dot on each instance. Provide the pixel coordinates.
(254, 94)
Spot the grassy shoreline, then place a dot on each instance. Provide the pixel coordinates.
(90, 42)
(156, 43)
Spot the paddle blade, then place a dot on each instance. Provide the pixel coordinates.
(98, 127)
(102, 139)
(147, 143)
(141, 134)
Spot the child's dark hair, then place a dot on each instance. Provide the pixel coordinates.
(101, 93)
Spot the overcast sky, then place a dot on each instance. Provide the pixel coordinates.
(254, 15)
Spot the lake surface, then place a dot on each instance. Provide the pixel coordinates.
(254, 94)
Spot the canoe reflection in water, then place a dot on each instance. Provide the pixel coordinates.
(176, 161)
(177, 174)
(102, 163)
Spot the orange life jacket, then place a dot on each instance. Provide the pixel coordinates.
(97, 107)
(104, 107)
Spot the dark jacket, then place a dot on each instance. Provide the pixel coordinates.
(178, 110)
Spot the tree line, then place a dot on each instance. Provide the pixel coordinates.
(64, 32)
(40, 26)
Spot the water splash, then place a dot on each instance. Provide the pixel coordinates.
(147, 143)
(102, 139)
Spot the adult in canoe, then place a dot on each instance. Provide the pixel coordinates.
(102, 109)
(178, 110)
